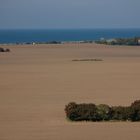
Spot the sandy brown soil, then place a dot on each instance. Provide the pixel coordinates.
(36, 82)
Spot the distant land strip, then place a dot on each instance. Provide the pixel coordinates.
(114, 41)
(95, 59)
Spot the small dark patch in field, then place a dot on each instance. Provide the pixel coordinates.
(95, 59)
(4, 50)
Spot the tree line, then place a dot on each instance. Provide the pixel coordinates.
(102, 112)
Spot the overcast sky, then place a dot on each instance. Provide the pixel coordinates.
(69, 14)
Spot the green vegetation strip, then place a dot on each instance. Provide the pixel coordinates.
(87, 59)
(102, 112)
(120, 41)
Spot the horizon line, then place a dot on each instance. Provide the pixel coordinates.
(68, 28)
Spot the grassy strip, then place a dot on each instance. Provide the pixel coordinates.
(87, 59)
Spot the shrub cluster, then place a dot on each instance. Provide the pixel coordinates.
(4, 50)
(102, 112)
(119, 41)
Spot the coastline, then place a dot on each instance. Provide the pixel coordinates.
(45, 36)
(114, 42)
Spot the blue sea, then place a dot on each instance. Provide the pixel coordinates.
(45, 35)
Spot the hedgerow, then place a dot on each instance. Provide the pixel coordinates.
(102, 112)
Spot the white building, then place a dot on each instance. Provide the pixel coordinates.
(139, 41)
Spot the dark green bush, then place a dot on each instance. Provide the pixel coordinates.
(71, 111)
(80, 112)
(4, 50)
(121, 113)
(1, 50)
(102, 112)
(135, 111)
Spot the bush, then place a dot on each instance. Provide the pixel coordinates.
(71, 111)
(1, 50)
(4, 50)
(102, 112)
(80, 112)
(7, 50)
(121, 113)
(135, 111)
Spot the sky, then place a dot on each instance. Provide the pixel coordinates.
(69, 14)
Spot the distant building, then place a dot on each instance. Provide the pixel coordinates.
(102, 39)
(139, 41)
(111, 40)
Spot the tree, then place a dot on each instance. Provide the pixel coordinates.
(103, 112)
(135, 111)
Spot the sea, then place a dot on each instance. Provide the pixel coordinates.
(47, 35)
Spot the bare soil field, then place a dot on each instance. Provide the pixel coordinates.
(37, 81)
